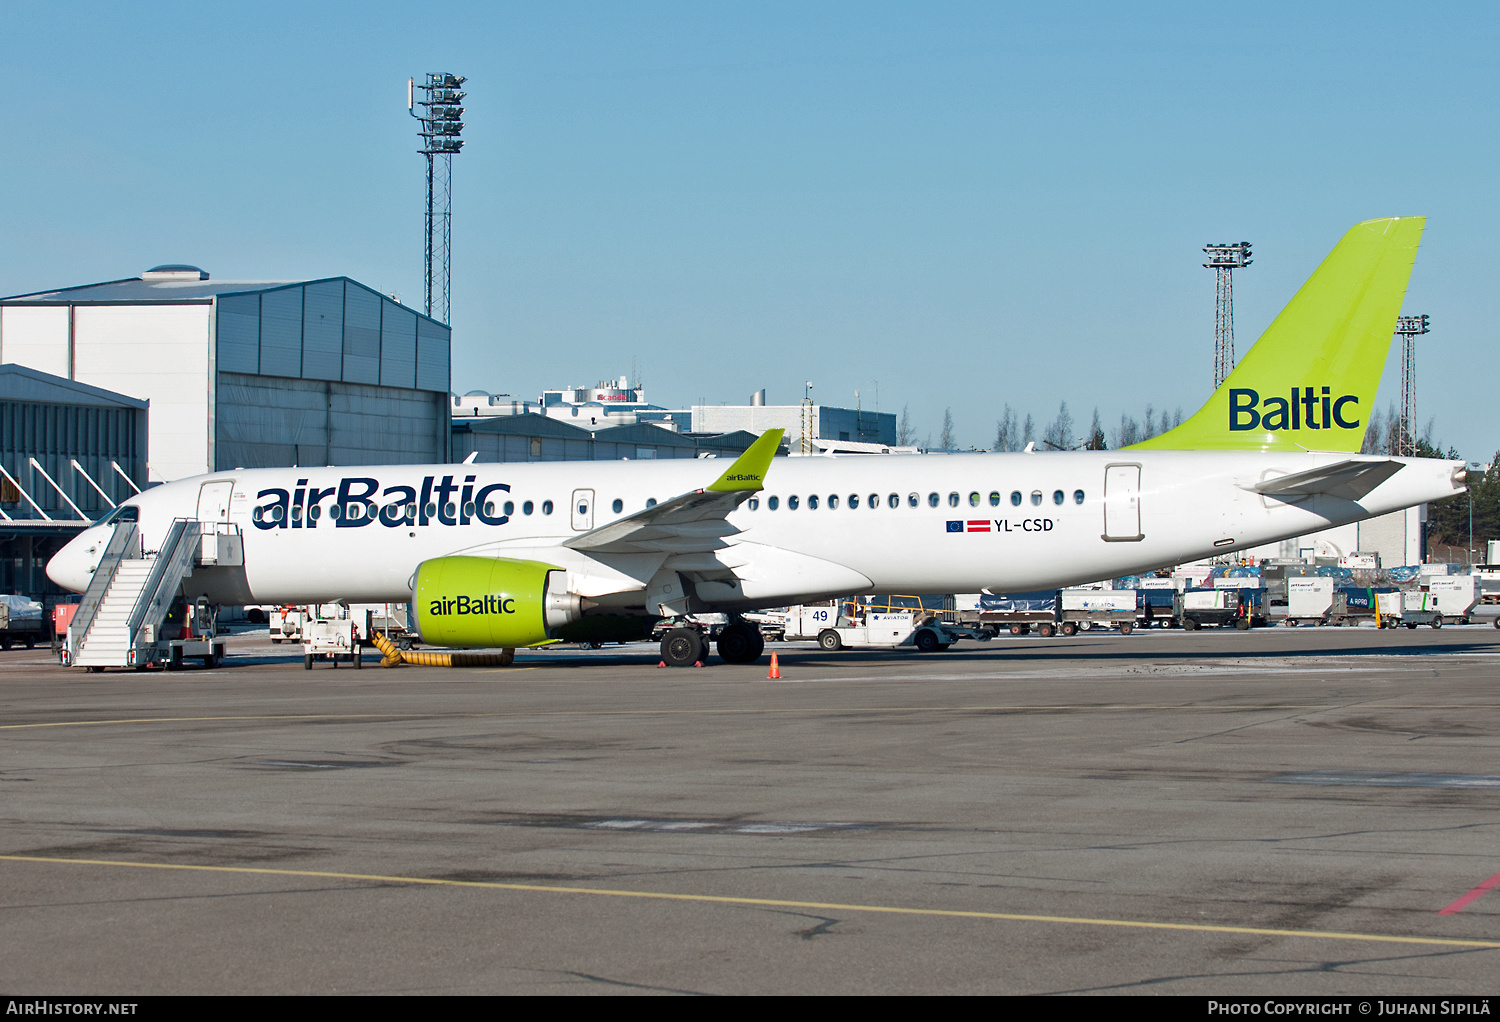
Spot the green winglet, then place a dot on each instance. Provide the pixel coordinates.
(749, 470)
(1309, 382)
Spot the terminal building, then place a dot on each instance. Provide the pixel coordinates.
(68, 453)
(247, 374)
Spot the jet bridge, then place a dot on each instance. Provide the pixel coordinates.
(119, 622)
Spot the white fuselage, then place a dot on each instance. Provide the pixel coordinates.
(1162, 507)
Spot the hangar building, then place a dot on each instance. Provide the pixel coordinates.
(248, 374)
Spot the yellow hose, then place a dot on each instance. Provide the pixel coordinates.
(393, 657)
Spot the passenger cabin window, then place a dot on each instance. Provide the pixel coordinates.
(792, 502)
(1057, 496)
(651, 502)
(772, 503)
(912, 500)
(853, 500)
(812, 502)
(974, 499)
(1015, 498)
(1036, 498)
(510, 508)
(833, 502)
(953, 500)
(893, 501)
(933, 500)
(874, 501)
(1078, 496)
(315, 512)
(753, 502)
(527, 508)
(994, 498)
(546, 507)
(618, 505)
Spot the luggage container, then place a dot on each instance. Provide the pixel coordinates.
(1195, 608)
(1020, 613)
(1353, 605)
(1112, 608)
(20, 622)
(1309, 601)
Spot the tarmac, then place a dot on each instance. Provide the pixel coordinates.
(1280, 812)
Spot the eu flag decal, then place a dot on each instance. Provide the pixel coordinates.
(955, 526)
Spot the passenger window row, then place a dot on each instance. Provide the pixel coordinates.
(955, 499)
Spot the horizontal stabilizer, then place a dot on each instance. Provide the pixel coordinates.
(1351, 480)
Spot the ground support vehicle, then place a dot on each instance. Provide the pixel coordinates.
(1086, 608)
(1309, 601)
(1020, 613)
(1448, 600)
(329, 632)
(838, 627)
(1353, 606)
(1227, 608)
(286, 623)
(20, 622)
(1156, 607)
(187, 633)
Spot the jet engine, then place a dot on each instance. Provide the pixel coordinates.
(477, 602)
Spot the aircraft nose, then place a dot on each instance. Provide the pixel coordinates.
(71, 566)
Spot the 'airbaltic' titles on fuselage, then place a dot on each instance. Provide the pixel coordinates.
(356, 505)
(1248, 411)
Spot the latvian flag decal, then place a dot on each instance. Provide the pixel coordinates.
(969, 526)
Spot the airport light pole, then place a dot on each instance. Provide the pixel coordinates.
(1409, 328)
(1224, 260)
(441, 131)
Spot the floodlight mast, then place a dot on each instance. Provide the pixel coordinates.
(1409, 328)
(441, 131)
(1223, 260)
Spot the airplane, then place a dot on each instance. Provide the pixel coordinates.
(525, 555)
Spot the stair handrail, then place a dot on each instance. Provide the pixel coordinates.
(174, 562)
(122, 542)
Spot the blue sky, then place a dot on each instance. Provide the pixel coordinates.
(972, 204)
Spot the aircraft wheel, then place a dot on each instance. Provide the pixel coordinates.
(681, 647)
(1437, 621)
(829, 640)
(737, 645)
(926, 641)
(758, 645)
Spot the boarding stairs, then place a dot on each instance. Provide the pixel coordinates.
(119, 620)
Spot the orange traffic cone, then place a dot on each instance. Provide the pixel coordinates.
(775, 668)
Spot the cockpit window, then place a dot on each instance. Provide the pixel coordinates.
(124, 513)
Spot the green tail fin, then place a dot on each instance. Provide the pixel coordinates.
(1310, 381)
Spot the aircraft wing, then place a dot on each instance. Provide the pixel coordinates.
(692, 522)
(1350, 480)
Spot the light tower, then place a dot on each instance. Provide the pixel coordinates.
(1409, 328)
(1224, 260)
(441, 131)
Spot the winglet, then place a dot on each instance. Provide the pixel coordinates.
(749, 470)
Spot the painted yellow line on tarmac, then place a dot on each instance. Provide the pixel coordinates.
(715, 899)
(1211, 707)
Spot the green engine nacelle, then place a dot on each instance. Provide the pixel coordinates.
(482, 602)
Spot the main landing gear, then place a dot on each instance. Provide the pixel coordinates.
(739, 643)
